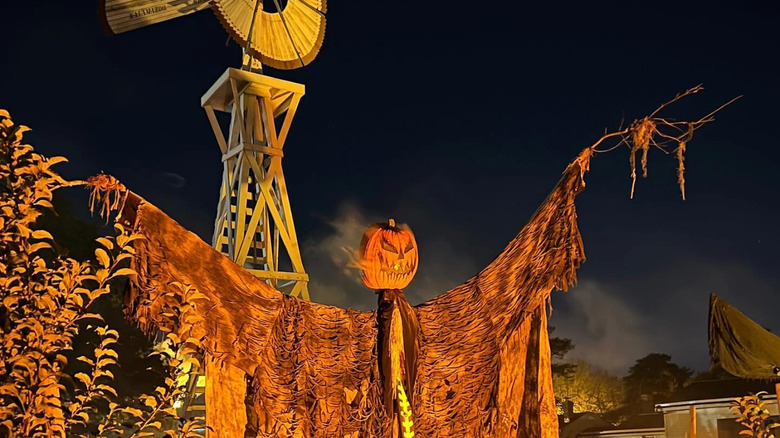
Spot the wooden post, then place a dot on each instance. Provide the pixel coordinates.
(777, 396)
(692, 424)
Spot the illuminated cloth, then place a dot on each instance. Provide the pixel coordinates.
(483, 368)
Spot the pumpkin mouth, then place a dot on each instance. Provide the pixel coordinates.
(392, 277)
(396, 267)
(401, 268)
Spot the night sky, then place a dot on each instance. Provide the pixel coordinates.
(456, 118)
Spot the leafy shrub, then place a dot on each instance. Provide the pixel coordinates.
(45, 301)
(754, 416)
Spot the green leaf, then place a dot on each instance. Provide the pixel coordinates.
(44, 203)
(105, 243)
(102, 257)
(39, 246)
(42, 234)
(106, 361)
(62, 359)
(108, 389)
(56, 160)
(83, 378)
(106, 373)
(123, 272)
(110, 352)
(90, 316)
(134, 412)
(151, 402)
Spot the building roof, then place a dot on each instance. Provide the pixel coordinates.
(718, 389)
(644, 421)
(580, 422)
(574, 417)
(635, 423)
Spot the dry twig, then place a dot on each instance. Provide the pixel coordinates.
(660, 133)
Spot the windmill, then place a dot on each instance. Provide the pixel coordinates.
(254, 223)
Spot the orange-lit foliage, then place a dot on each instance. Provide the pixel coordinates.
(753, 416)
(45, 300)
(388, 256)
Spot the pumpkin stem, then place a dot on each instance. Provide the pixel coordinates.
(391, 222)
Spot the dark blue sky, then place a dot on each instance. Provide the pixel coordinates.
(457, 118)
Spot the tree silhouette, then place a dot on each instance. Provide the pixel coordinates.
(559, 347)
(653, 379)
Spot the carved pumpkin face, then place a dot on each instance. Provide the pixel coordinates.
(388, 256)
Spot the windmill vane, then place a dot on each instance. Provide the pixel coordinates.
(288, 37)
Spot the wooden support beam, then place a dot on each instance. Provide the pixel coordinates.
(777, 396)
(269, 123)
(288, 121)
(282, 102)
(276, 275)
(238, 104)
(215, 127)
(249, 122)
(251, 147)
(268, 244)
(254, 221)
(259, 130)
(241, 202)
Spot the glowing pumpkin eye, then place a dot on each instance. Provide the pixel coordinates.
(388, 247)
(409, 247)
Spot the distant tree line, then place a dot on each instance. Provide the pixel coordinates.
(651, 380)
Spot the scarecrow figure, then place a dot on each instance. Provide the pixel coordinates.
(472, 362)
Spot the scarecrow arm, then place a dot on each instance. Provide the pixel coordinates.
(231, 312)
(545, 254)
(484, 346)
(312, 366)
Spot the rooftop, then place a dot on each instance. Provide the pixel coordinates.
(718, 389)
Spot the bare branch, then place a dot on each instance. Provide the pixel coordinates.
(649, 131)
(679, 96)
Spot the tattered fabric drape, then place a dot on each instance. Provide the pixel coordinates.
(483, 366)
(740, 345)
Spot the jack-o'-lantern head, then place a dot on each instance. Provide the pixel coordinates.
(388, 256)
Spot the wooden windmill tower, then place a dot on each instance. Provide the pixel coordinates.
(254, 224)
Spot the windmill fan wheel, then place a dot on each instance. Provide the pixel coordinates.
(285, 39)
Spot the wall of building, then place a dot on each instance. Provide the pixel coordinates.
(677, 419)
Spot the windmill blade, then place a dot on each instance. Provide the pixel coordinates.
(285, 40)
(124, 15)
